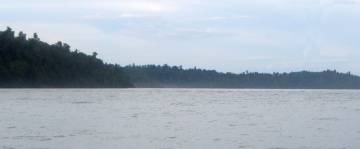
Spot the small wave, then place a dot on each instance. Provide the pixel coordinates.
(7, 147)
(11, 127)
(328, 119)
(82, 102)
(59, 136)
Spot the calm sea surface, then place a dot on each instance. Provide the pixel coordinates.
(178, 119)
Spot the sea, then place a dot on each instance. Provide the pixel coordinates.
(179, 119)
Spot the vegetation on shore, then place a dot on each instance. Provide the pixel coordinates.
(176, 76)
(33, 63)
(30, 62)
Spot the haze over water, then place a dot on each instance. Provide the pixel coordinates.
(178, 119)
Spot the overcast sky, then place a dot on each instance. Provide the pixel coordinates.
(226, 35)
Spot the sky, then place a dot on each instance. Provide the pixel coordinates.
(225, 35)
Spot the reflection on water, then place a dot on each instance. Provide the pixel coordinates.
(178, 119)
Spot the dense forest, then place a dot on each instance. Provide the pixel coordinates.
(29, 62)
(176, 76)
(33, 63)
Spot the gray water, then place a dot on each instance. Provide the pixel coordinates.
(178, 119)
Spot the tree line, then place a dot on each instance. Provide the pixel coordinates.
(33, 63)
(30, 62)
(176, 76)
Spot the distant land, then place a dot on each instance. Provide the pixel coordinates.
(156, 76)
(32, 63)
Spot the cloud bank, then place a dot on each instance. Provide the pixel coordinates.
(228, 35)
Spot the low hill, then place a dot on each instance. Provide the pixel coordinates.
(177, 77)
(33, 63)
